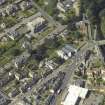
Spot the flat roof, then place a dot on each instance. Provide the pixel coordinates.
(36, 21)
(74, 92)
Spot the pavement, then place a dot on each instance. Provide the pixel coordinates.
(58, 30)
(69, 68)
(49, 18)
(24, 21)
(38, 85)
(40, 13)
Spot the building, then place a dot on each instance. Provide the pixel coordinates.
(74, 95)
(2, 2)
(96, 73)
(87, 55)
(103, 74)
(27, 86)
(4, 100)
(80, 83)
(82, 25)
(65, 34)
(13, 35)
(66, 52)
(21, 60)
(56, 86)
(3, 13)
(94, 99)
(64, 5)
(3, 25)
(26, 45)
(20, 76)
(50, 64)
(18, 102)
(37, 24)
(10, 9)
(6, 79)
(24, 5)
(50, 99)
(14, 93)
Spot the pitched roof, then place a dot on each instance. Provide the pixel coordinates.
(3, 98)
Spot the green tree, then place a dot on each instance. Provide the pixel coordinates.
(15, 52)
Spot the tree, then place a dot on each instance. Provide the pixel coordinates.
(70, 14)
(102, 16)
(15, 52)
(52, 43)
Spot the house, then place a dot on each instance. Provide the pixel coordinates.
(81, 70)
(32, 74)
(103, 74)
(47, 72)
(4, 100)
(18, 101)
(25, 44)
(65, 5)
(56, 87)
(87, 55)
(10, 9)
(27, 100)
(96, 73)
(13, 34)
(3, 13)
(36, 25)
(82, 25)
(6, 79)
(66, 52)
(94, 99)
(14, 93)
(21, 60)
(27, 86)
(64, 34)
(3, 26)
(58, 83)
(2, 2)
(24, 5)
(74, 95)
(50, 99)
(50, 64)
(22, 75)
(29, 35)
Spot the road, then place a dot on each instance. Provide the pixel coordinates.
(40, 13)
(68, 68)
(58, 30)
(24, 21)
(93, 42)
(49, 18)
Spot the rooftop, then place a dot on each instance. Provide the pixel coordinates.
(37, 21)
(74, 93)
(3, 99)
